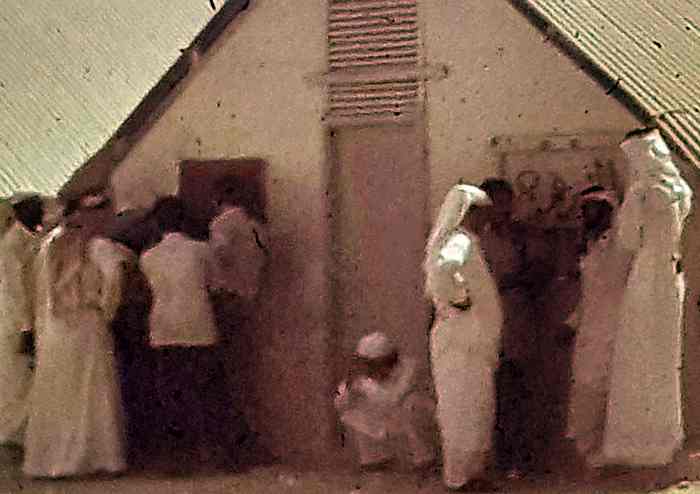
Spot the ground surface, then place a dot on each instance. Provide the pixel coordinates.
(278, 479)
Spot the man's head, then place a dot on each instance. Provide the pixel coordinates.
(501, 194)
(91, 214)
(232, 191)
(597, 208)
(131, 228)
(377, 355)
(169, 214)
(30, 211)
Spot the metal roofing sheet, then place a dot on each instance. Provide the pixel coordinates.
(72, 72)
(650, 48)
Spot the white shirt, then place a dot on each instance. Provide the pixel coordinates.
(181, 313)
(238, 257)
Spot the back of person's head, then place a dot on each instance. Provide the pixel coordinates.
(30, 211)
(496, 187)
(92, 214)
(130, 228)
(237, 192)
(501, 194)
(89, 201)
(169, 214)
(71, 207)
(597, 208)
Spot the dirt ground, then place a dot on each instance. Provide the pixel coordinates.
(278, 479)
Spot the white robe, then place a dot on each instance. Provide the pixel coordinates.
(18, 249)
(75, 421)
(379, 413)
(181, 314)
(604, 270)
(238, 257)
(464, 351)
(644, 425)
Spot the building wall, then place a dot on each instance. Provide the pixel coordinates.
(252, 95)
(257, 94)
(503, 77)
(380, 191)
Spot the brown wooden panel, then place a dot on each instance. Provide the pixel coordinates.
(379, 227)
(205, 185)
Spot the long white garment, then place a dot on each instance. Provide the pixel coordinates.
(604, 271)
(75, 421)
(18, 248)
(464, 343)
(236, 242)
(181, 314)
(644, 424)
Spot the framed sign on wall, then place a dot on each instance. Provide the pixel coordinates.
(549, 173)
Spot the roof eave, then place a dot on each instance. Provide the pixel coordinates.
(610, 85)
(94, 174)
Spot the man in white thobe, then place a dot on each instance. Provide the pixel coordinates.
(15, 316)
(20, 223)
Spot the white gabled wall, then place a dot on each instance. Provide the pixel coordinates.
(503, 77)
(253, 95)
(257, 94)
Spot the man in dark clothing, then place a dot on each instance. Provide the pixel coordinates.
(136, 230)
(537, 274)
(503, 242)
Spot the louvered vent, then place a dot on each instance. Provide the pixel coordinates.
(373, 51)
(372, 32)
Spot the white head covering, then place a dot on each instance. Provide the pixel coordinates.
(93, 200)
(374, 346)
(653, 167)
(53, 212)
(439, 248)
(645, 150)
(608, 196)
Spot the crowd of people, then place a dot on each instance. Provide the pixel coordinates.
(114, 343)
(116, 333)
(545, 340)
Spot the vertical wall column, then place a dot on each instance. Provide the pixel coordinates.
(379, 176)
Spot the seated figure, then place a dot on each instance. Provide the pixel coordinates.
(380, 408)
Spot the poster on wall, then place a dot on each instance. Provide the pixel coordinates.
(549, 174)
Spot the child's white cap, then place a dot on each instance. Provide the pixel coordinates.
(374, 346)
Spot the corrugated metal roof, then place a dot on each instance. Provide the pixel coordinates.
(72, 72)
(648, 49)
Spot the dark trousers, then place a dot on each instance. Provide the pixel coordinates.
(193, 408)
(516, 400)
(236, 322)
(137, 373)
(532, 402)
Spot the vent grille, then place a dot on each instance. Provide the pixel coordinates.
(392, 98)
(364, 33)
(373, 52)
